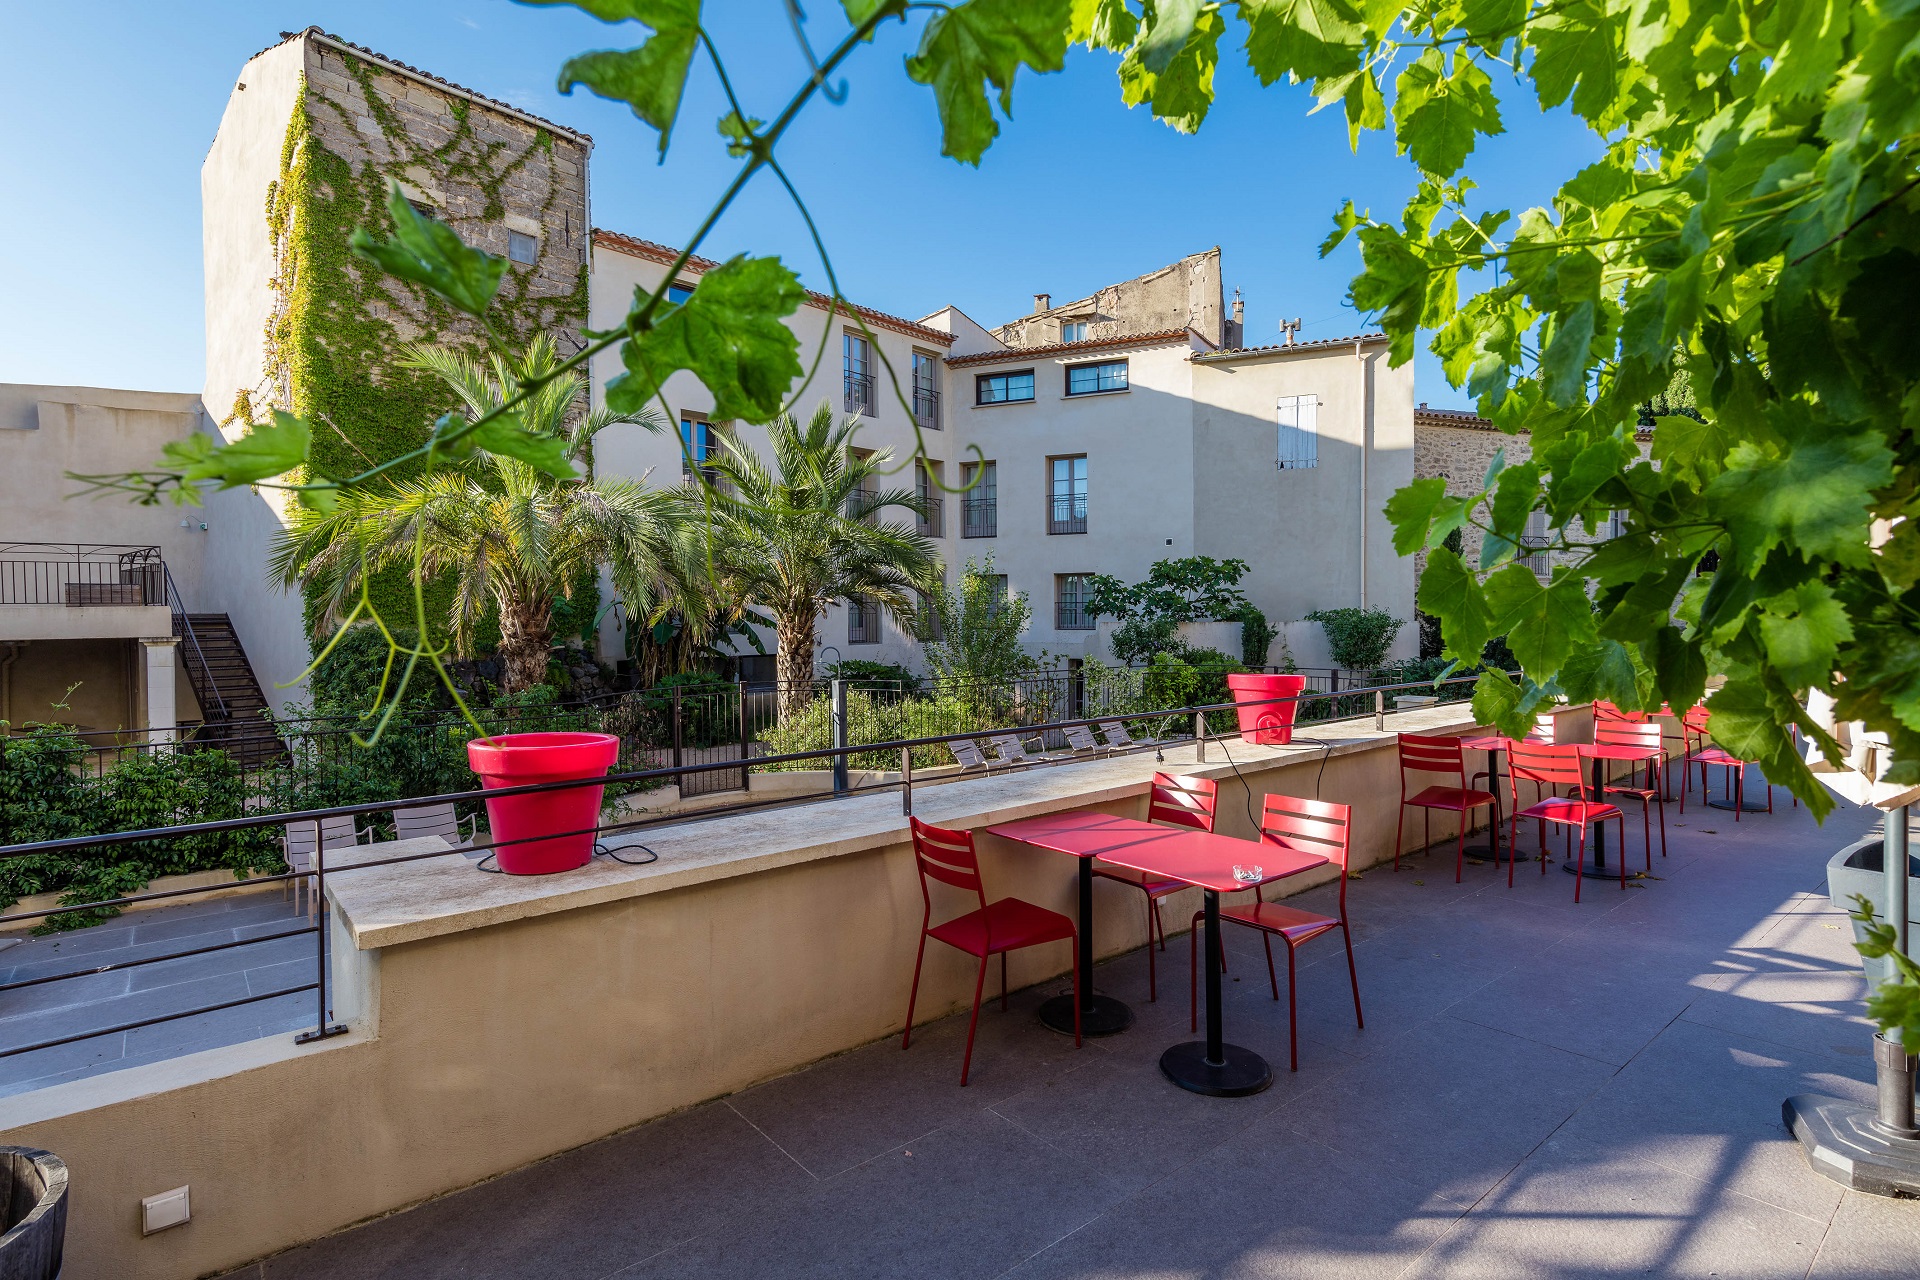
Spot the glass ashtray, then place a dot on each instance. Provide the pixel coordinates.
(1248, 875)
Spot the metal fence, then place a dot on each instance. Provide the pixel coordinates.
(81, 574)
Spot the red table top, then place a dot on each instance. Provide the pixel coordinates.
(1487, 742)
(1594, 751)
(1196, 857)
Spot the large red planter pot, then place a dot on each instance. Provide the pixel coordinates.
(517, 822)
(1272, 724)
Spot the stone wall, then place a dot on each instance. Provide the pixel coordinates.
(1186, 295)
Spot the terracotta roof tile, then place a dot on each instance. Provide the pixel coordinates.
(1068, 348)
(667, 256)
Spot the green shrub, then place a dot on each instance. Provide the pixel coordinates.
(1256, 636)
(1359, 638)
(862, 672)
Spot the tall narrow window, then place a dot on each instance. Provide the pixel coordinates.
(979, 505)
(856, 360)
(699, 447)
(926, 390)
(1067, 494)
(863, 622)
(997, 594)
(1070, 603)
(1299, 432)
(926, 488)
(1532, 544)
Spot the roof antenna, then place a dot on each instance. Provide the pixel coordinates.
(1290, 328)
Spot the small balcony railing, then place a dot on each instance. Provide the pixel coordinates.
(863, 624)
(979, 518)
(81, 574)
(932, 521)
(859, 397)
(926, 407)
(860, 504)
(1537, 559)
(1072, 615)
(1067, 514)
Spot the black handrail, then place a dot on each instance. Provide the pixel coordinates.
(183, 627)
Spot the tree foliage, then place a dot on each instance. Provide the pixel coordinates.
(970, 633)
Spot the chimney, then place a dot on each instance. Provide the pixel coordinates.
(1042, 302)
(1239, 309)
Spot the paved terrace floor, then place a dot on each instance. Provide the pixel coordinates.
(1542, 1089)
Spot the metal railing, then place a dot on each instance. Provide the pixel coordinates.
(979, 518)
(859, 392)
(932, 517)
(1072, 615)
(1067, 514)
(199, 673)
(81, 574)
(861, 504)
(1155, 729)
(926, 407)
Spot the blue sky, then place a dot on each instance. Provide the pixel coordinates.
(108, 110)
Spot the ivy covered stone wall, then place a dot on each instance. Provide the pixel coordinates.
(338, 326)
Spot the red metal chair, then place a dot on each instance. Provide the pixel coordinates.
(1558, 767)
(1311, 826)
(1438, 755)
(1711, 755)
(1181, 801)
(993, 928)
(1544, 729)
(1643, 735)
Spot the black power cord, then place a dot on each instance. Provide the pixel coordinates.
(600, 850)
(1246, 788)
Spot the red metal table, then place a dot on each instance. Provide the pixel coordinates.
(1206, 861)
(1600, 755)
(1493, 744)
(1085, 836)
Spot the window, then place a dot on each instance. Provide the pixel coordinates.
(998, 594)
(979, 510)
(1070, 603)
(929, 618)
(699, 446)
(1003, 388)
(678, 293)
(856, 360)
(863, 622)
(926, 488)
(522, 247)
(1538, 535)
(1299, 432)
(1067, 494)
(1073, 331)
(1091, 379)
(926, 390)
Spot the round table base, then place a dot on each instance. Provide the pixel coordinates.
(1101, 1016)
(1590, 872)
(1748, 805)
(1243, 1072)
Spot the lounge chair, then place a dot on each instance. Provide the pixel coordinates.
(1080, 738)
(966, 754)
(301, 843)
(436, 820)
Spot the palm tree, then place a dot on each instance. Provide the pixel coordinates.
(802, 535)
(503, 532)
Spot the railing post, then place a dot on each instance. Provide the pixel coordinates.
(679, 779)
(906, 781)
(323, 1026)
(1379, 711)
(839, 714)
(746, 745)
(1200, 737)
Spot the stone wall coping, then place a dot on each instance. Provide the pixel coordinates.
(385, 906)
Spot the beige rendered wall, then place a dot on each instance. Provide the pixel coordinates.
(635, 452)
(479, 1051)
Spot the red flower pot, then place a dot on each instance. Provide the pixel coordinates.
(1272, 724)
(518, 823)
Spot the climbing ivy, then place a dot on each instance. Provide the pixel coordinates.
(341, 324)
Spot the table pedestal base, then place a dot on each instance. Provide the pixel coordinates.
(1243, 1071)
(1748, 805)
(1100, 1016)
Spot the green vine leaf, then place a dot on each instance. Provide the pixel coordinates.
(1180, 89)
(729, 333)
(1305, 39)
(505, 435)
(263, 453)
(985, 42)
(1437, 115)
(1103, 24)
(428, 252)
(651, 79)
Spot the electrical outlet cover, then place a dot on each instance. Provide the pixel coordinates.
(168, 1209)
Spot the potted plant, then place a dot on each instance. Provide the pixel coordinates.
(1265, 722)
(545, 831)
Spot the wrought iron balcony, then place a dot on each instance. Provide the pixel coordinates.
(859, 397)
(979, 518)
(1067, 514)
(861, 504)
(1072, 615)
(926, 407)
(932, 520)
(81, 574)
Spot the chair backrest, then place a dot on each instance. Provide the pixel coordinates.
(966, 753)
(1182, 800)
(1695, 720)
(1116, 733)
(1627, 733)
(1080, 738)
(1421, 754)
(946, 856)
(1603, 710)
(1310, 826)
(1010, 749)
(427, 820)
(338, 832)
(303, 841)
(1544, 763)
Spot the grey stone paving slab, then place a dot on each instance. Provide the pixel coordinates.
(1869, 1239)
